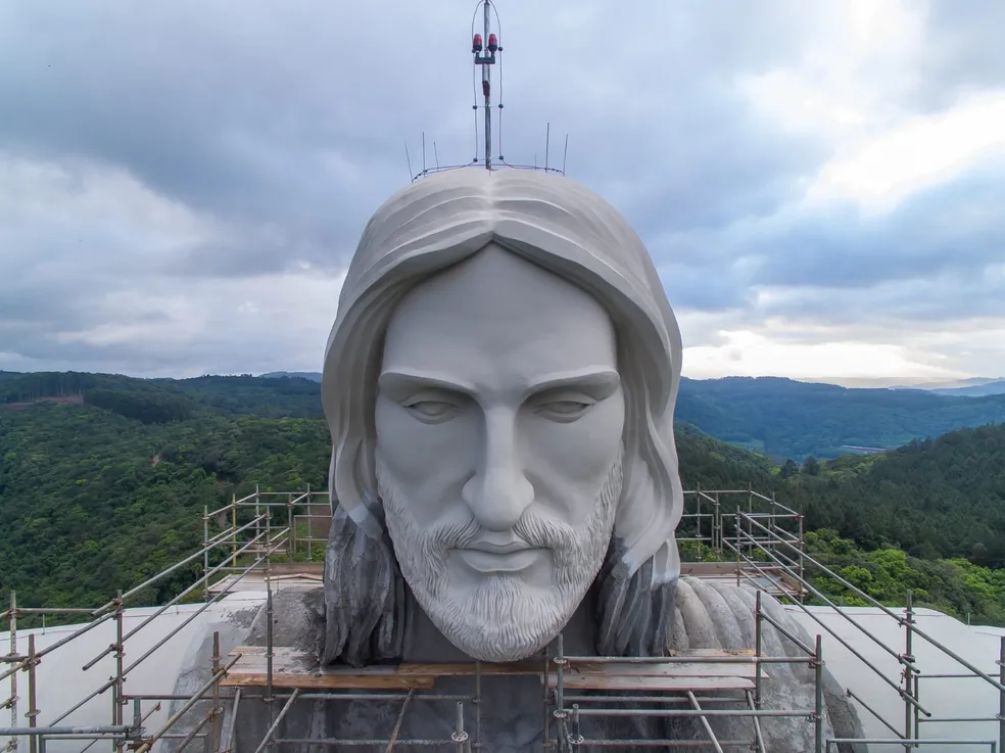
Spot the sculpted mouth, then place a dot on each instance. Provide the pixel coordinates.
(491, 547)
(489, 557)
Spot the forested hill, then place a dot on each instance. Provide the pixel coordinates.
(778, 417)
(934, 498)
(788, 419)
(162, 400)
(93, 500)
(103, 481)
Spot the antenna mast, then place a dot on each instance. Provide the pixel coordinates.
(485, 57)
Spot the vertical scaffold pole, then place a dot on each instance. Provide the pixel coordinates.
(12, 745)
(258, 523)
(818, 713)
(737, 547)
(233, 528)
(1001, 694)
(269, 700)
(544, 701)
(561, 730)
(310, 507)
(459, 735)
(908, 669)
(802, 589)
(718, 523)
(292, 535)
(205, 551)
(217, 720)
(697, 516)
(119, 654)
(477, 702)
(32, 710)
(757, 650)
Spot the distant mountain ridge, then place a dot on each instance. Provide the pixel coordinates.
(784, 418)
(779, 417)
(994, 387)
(310, 376)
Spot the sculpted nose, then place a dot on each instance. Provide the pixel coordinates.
(498, 492)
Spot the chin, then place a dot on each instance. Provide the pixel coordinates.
(503, 619)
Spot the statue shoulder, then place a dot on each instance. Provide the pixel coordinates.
(710, 614)
(716, 614)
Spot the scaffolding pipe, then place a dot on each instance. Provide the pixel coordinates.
(193, 732)
(704, 722)
(232, 734)
(65, 730)
(855, 652)
(818, 705)
(12, 672)
(32, 693)
(173, 719)
(167, 571)
(871, 710)
(196, 613)
(267, 740)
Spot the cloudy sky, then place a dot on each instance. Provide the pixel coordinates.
(822, 185)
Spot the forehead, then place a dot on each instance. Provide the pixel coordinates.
(497, 322)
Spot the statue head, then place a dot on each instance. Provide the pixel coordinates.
(499, 384)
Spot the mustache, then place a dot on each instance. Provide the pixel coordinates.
(532, 528)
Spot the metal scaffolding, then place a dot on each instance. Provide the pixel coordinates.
(759, 543)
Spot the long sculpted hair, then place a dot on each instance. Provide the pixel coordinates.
(568, 230)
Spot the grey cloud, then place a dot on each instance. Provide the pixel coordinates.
(954, 226)
(280, 129)
(964, 49)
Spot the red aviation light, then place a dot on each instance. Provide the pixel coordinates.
(476, 44)
(493, 43)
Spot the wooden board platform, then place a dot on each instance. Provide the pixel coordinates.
(292, 668)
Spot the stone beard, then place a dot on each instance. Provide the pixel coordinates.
(503, 617)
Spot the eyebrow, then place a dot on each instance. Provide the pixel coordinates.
(603, 379)
(586, 379)
(392, 380)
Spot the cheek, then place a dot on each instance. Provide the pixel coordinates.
(569, 463)
(426, 460)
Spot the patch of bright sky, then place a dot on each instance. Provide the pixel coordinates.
(754, 354)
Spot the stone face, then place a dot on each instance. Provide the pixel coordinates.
(499, 385)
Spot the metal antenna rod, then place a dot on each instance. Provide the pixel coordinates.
(487, 92)
(408, 159)
(547, 143)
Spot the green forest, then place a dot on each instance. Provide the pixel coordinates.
(103, 480)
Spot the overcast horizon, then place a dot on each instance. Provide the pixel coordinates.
(821, 186)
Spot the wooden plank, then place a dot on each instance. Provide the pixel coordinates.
(468, 669)
(714, 652)
(591, 681)
(294, 668)
(327, 681)
(689, 669)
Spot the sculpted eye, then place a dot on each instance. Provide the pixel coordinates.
(431, 411)
(563, 410)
